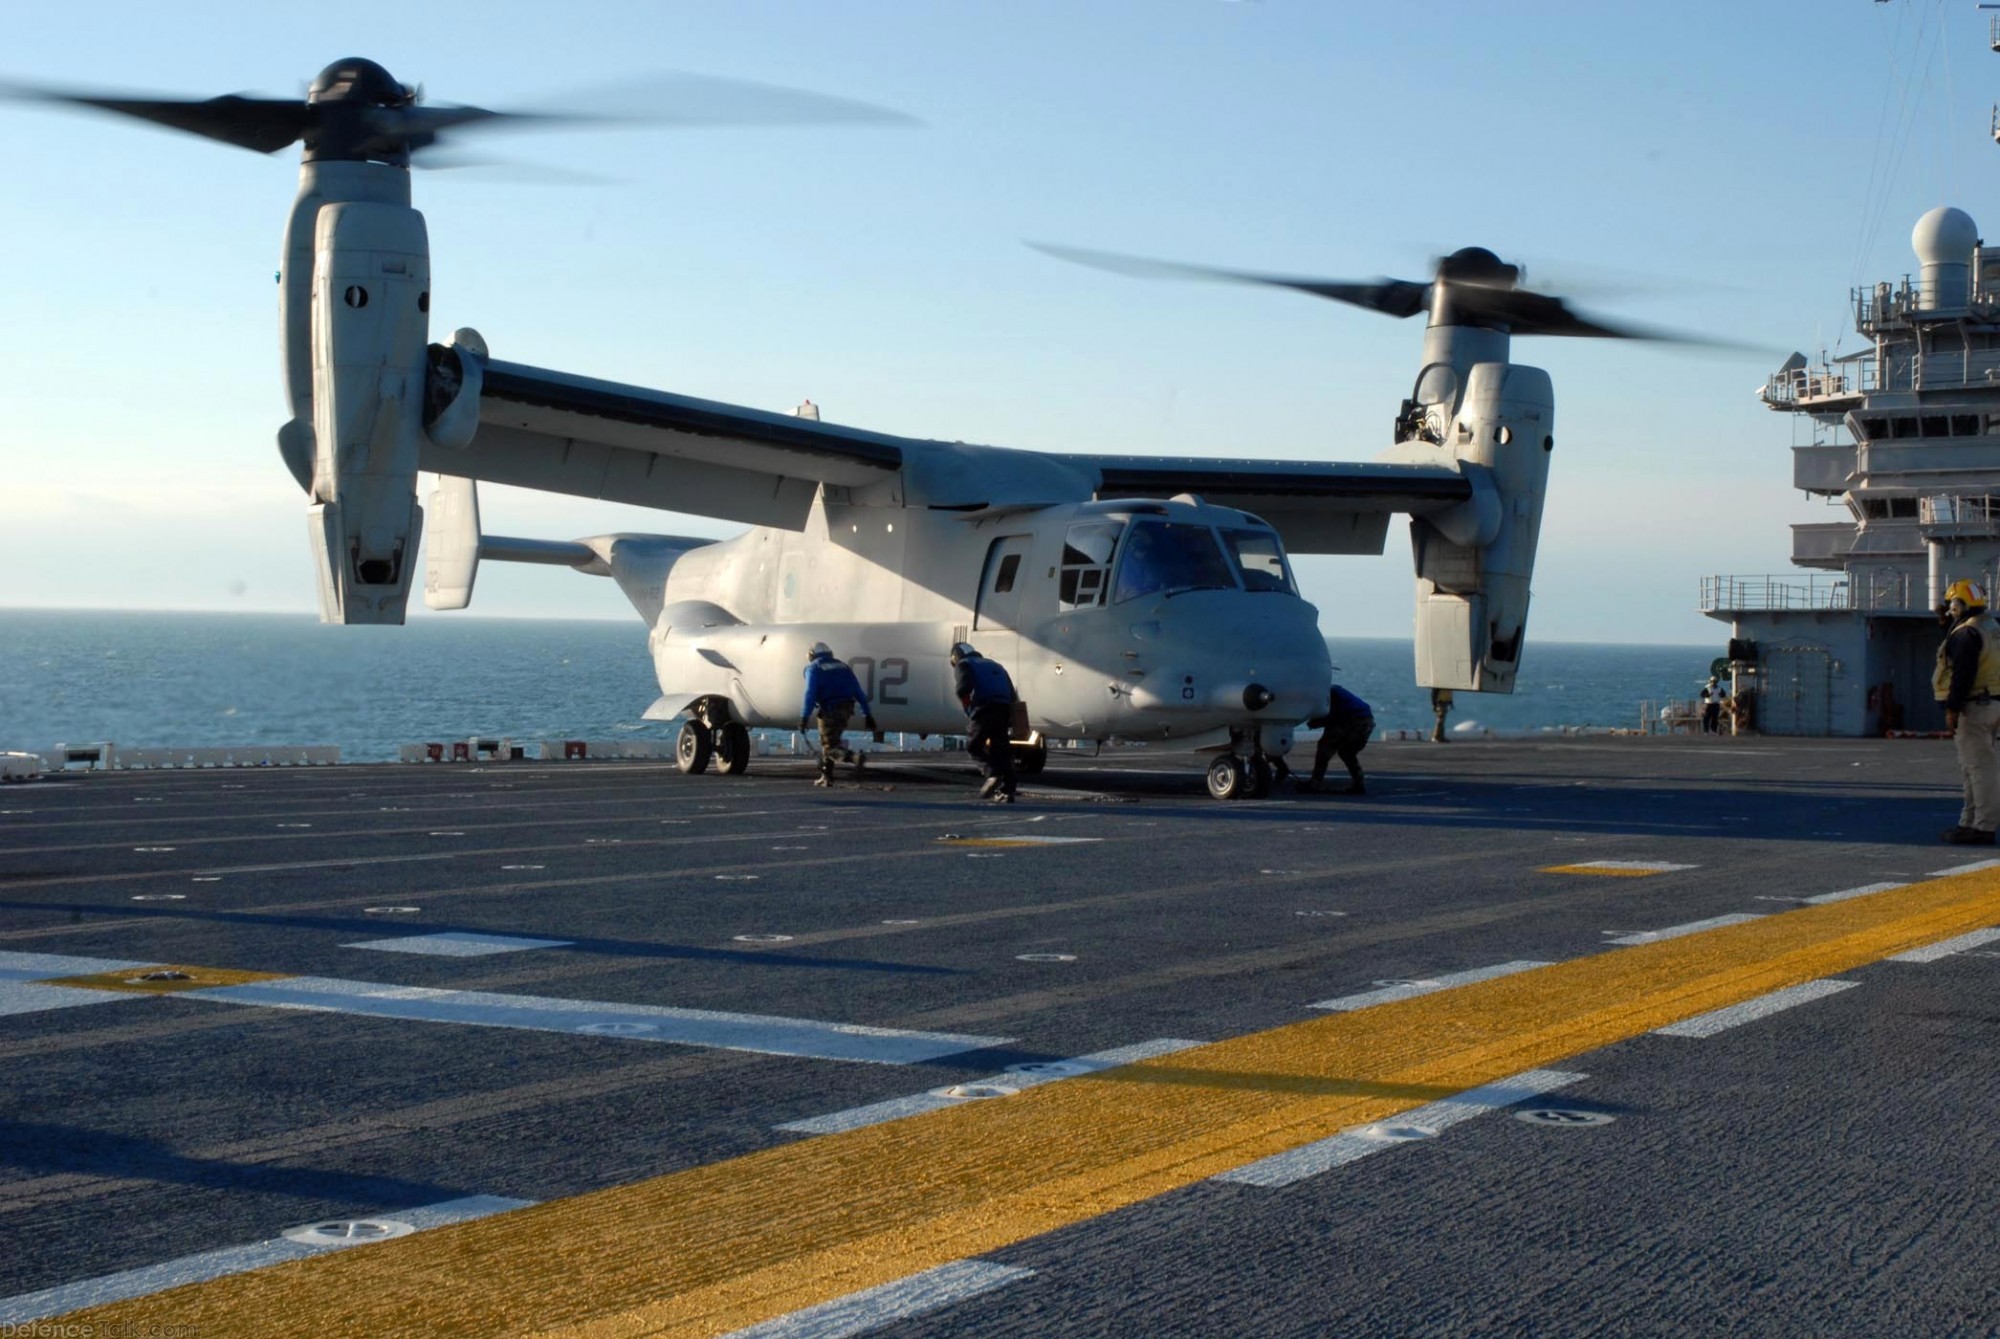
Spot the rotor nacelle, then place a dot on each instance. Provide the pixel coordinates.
(370, 323)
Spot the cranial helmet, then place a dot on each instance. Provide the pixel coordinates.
(961, 651)
(1970, 592)
(819, 651)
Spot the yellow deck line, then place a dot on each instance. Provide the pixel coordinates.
(191, 978)
(715, 1248)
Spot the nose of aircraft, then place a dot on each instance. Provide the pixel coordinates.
(1253, 653)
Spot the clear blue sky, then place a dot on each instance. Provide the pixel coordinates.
(1750, 162)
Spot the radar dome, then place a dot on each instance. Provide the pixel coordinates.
(1945, 236)
(1945, 240)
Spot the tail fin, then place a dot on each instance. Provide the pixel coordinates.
(638, 563)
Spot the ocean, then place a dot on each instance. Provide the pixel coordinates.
(216, 680)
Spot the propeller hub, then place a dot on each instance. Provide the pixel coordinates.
(356, 110)
(1477, 265)
(362, 81)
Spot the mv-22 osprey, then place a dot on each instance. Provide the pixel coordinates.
(1134, 598)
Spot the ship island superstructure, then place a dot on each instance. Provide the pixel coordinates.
(1906, 435)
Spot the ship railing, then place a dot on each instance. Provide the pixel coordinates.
(1960, 514)
(1898, 304)
(1874, 593)
(1787, 390)
(1958, 369)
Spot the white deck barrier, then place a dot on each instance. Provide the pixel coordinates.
(763, 743)
(286, 755)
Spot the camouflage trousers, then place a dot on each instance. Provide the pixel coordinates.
(833, 719)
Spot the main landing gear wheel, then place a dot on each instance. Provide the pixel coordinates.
(732, 748)
(692, 749)
(1030, 759)
(1227, 777)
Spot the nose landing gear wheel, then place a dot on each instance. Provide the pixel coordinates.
(1227, 778)
(1030, 759)
(732, 749)
(1257, 784)
(692, 749)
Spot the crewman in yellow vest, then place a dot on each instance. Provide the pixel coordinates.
(1967, 681)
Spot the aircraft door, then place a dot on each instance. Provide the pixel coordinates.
(1001, 584)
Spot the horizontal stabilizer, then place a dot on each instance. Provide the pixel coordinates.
(638, 563)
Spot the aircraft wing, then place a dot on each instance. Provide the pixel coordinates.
(562, 433)
(1331, 507)
(570, 434)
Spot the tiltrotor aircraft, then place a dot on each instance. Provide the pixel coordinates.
(1132, 597)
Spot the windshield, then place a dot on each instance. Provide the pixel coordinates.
(1167, 556)
(1259, 559)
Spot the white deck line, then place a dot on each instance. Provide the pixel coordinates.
(858, 1313)
(1845, 893)
(20, 997)
(1945, 948)
(1707, 1025)
(1972, 868)
(1429, 985)
(1639, 866)
(458, 944)
(896, 1108)
(1324, 1155)
(761, 1033)
(149, 1279)
(1692, 927)
(41, 966)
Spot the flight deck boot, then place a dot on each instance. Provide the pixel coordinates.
(825, 777)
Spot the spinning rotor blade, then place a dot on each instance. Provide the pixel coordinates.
(356, 110)
(1392, 297)
(1477, 288)
(262, 124)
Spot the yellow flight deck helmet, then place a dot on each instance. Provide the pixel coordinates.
(1971, 592)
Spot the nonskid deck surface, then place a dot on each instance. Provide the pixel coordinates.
(606, 1049)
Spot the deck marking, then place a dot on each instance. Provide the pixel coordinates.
(1017, 1078)
(160, 979)
(1973, 868)
(760, 1033)
(1021, 840)
(1406, 990)
(872, 1308)
(1348, 1146)
(789, 1227)
(1846, 893)
(458, 944)
(38, 966)
(149, 1279)
(1676, 931)
(22, 975)
(1945, 948)
(1626, 869)
(1721, 1020)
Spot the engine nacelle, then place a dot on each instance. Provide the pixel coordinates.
(1474, 561)
(370, 324)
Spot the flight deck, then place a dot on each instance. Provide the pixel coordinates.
(1596, 1036)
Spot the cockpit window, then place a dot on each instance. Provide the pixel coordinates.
(1168, 556)
(1086, 562)
(1260, 560)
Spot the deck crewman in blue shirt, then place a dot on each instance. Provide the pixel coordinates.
(834, 692)
(986, 691)
(1345, 730)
